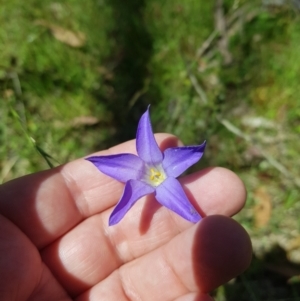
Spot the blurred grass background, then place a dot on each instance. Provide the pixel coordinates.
(76, 76)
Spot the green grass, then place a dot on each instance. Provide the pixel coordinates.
(57, 82)
(58, 103)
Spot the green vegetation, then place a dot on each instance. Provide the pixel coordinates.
(75, 77)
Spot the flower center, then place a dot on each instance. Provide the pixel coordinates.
(154, 175)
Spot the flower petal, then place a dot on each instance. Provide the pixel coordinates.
(179, 159)
(171, 195)
(133, 191)
(146, 144)
(122, 167)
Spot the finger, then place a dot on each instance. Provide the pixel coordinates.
(46, 205)
(194, 297)
(92, 250)
(19, 275)
(23, 276)
(198, 260)
(215, 190)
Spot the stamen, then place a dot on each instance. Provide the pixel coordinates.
(155, 175)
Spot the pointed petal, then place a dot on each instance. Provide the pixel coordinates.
(171, 195)
(179, 159)
(122, 167)
(133, 191)
(146, 145)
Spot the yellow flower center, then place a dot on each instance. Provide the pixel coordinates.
(155, 176)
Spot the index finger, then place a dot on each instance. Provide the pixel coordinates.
(48, 204)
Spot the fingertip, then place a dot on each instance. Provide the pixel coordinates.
(216, 190)
(239, 192)
(222, 251)
(165, 141)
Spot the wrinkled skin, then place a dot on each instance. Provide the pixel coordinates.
(55, 242)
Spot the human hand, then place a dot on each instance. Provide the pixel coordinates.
(55, 242)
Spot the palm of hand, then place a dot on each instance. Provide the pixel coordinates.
(56, 245)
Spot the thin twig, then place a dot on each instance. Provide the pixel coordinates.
(197, 87)
(206, 44)
(138, 94)
(20, 115)
(195, 83)
(7, 167)
(230, 21)
(220, 25)
(271, 160)
(19, 95)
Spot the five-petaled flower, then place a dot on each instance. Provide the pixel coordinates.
(152, 171)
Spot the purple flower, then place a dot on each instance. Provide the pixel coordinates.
(151, 172)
